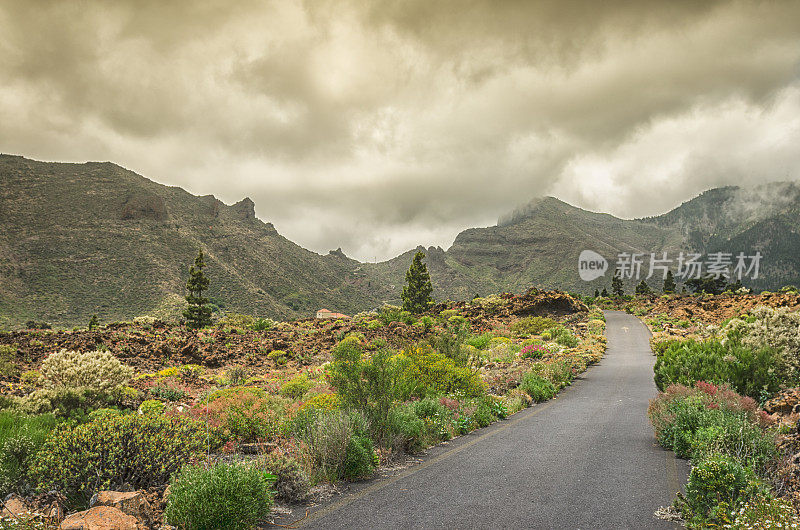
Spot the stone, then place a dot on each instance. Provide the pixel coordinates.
(15, 506)
(131, 503)
(101, 518)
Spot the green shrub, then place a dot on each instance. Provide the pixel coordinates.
(428, 373)
(20, 439)
(537, 387)
(8, 365)
(480, 342)
(564, 337)
(223, 496)
(717, 486)
(279, 356)
(753, 373)
(328, 435)
(705, 420)
(360, 458)
(408, 430)
(138, 450)
(296, 387)
(152, 406)
(292, 481)
(369, 384)
(167, 393)
(532, 325)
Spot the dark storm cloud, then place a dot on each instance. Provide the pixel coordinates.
(392, 123)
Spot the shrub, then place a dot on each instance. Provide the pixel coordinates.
(532, 325)
(236, 375)
(321, 402)
(292, 481)
(296, 387)
(151, 406)
(279, 356)
(96, 370)
(697, 422)
(751, 372)
(534, 351)
(167, 393)
(360, 458)
(428, 373)
(537, 387)
(223, 496)
(328, 435)
(767, 512)
(479, 341)
(408, 429)
(243, 414)
(369, 384)
(20, 439)
(716, 487)
(564, 337)
(775, 328)
(8, 366)
(138, 450)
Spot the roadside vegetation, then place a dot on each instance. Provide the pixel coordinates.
(727, 369)
(295, 408)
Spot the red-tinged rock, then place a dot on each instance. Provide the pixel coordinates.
(101, 518)
(130, 503)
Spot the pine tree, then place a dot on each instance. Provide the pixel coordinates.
(669, 283)
(604, 293)
(596, 293)
(93, 322)
(616, 286)
(643, 289)
(418, 289)
(197, 315)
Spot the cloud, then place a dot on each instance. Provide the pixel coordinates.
(402, 123)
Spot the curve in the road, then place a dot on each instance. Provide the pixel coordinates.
(585, 460)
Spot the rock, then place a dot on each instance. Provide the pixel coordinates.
(101, 518)
(133, 503)
(15, 506)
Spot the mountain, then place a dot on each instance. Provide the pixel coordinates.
(95, 238)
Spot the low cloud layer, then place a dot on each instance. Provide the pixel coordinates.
(378, 126)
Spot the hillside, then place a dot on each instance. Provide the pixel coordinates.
(80, 239)
(95, 238)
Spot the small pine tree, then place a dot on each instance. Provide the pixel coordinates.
(93, 322)
(616, 286)
(604, 293)
(643, 289)
(197, 315)
(669, 283)
(418, 289)
(596, 293)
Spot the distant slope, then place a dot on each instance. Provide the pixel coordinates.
(95, 238)
(80, 239)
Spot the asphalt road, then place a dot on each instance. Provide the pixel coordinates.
(587, 459)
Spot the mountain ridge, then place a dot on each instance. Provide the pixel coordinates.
(95, 237)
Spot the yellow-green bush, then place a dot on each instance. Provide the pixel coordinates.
(96, 370)
(296, 387)
(429, 373)
(138, 450)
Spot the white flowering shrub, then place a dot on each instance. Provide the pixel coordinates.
(764, 326)
(95, 370)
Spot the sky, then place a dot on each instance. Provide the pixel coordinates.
(377, 126)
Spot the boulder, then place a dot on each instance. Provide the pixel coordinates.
(15, 506)
(101, 518)
(132, 503)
